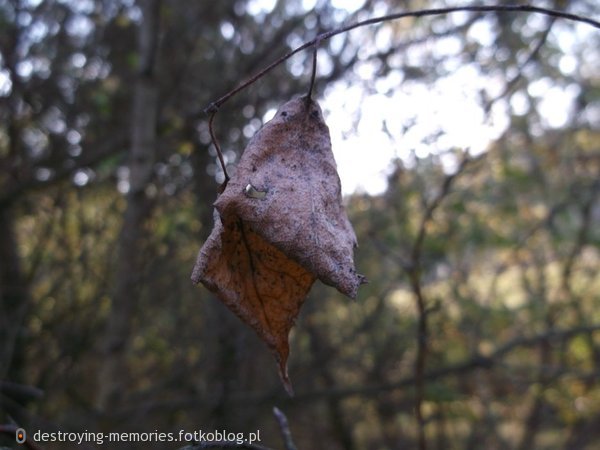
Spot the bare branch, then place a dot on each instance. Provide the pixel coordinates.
(474, 362)
(213, 107)
(413, 271)
(285, 429)
(512, 82)
(285, 432)
(419, 13)
(224, 444)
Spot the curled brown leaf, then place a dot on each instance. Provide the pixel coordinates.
(279, 225)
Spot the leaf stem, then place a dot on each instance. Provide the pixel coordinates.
(314, 70)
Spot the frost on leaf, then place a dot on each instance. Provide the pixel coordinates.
(279, 225)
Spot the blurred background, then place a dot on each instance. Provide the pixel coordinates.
(469, 152)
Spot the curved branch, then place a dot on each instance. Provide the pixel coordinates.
(214, 106)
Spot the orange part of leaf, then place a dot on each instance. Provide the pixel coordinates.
(256, 281)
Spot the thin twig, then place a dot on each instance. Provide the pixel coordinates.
(224, 444)
(212, 107)
(217, 147)
(510, 84)
(420, 360)
(285, 429)
(414, 275)
(313, 75)
(466, 366)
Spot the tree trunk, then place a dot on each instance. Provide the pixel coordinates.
(132, 239)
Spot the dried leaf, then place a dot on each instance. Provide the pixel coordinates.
(279, 225)
(256, 281)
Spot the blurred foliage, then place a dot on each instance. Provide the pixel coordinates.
(508, 267)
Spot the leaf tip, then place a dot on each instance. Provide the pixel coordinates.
(285, 379)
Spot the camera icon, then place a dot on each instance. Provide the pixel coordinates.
(20, 435)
